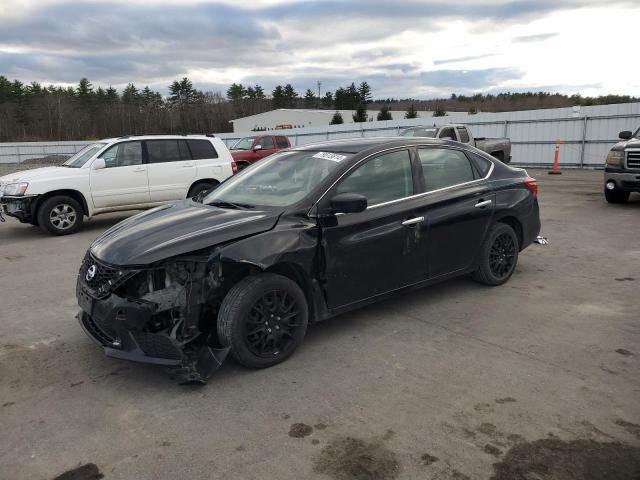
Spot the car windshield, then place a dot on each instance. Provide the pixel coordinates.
(277, 181)
(80, 158)
(420, 132)
(243, 144)
(637, 134)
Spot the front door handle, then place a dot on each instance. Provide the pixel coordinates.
(140, 169)
(483, 203)
(412, 221)
(187, 165)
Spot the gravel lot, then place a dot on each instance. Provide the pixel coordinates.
(539, 374)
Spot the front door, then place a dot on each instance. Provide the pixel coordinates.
(458, 209)
(267, 148)
(382, 248)
(124, 180)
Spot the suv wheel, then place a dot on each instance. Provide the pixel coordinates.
(498, 256)
(263, 319)
(198, 188)
(60, 215)
(616, 196)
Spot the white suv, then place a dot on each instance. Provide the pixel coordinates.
(125, 173)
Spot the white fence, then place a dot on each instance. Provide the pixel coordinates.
(586, 134)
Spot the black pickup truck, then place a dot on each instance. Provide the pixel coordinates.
(622, 168)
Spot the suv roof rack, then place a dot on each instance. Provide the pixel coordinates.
(165, 134)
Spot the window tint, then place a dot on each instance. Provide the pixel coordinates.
(282, 142)
(482, 164)
(443, 167)
(447, 132)
(382, 179)
(463, 134)
(123, 155)
(266, 142)
(185, 154)
(201, 149)
(160, 151)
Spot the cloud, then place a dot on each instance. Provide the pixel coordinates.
(461, 59)
(540, 37)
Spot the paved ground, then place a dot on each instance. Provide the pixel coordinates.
(436, 384)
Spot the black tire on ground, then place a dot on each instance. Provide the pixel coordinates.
(199, 188)
(263, 318)
(498, 256)
(616, 196)
(60, 215)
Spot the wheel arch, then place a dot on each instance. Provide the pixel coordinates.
(75, 194)
(514, 223)
(200, 181)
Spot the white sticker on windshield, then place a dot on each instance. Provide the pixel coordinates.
(334, 157)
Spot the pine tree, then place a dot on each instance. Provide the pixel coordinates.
(361, 113)
(130, 94)
(337, 119)
(182, 92)
(439, 111)
(259, 92)
(279, 100)
(236, 92)
(364, 91)
(310, 99)
(290, 96)
(385, 113)
(411, 112)
(327, 100)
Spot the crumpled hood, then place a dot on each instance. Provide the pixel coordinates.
(34, 174)
(631, 143)
(175, 229)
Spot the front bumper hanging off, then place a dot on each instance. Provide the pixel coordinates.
(116, 324)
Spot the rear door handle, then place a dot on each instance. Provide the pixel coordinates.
(483, 203)
(140, 169)
(412, 221)
(186, 165)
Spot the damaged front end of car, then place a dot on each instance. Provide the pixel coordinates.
(164, 313)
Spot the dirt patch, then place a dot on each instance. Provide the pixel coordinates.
(388, 435)
(492, 450)
(488, 429)
(506, 400)
(319, 426)
(483, 408)
(88, 471)
(347, 458)
(8, 404)
(626, 279)
(300, 430)
(624, 352)
(632, 428)
(555, 459)
(428, 459)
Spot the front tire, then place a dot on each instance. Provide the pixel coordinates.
(199, 188)
(263, 319)
(616, 196)
(60, 215)
(498, 256)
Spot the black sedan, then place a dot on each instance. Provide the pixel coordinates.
(299, 237)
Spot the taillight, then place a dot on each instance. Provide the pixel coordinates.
(234, 167)
(532, 185)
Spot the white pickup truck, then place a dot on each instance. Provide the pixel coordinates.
(125, 173)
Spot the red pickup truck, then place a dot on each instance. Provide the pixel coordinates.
(251, 149)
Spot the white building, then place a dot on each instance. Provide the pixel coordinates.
(301, 118)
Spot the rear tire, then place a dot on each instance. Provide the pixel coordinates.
(498, 256)
(263, 319)
(616, 196)
(198, 188)
(60, 215)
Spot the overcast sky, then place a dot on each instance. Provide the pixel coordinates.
(406, 48)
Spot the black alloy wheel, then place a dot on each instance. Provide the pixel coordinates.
(502, 255)
(263, 318)
(271, 325)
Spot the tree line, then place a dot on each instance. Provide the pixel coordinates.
(35, 112)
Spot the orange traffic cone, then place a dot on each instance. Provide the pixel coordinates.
(555, 170)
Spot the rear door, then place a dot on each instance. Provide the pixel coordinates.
(380, 249)
(459, 205)
(124, 180)
(171, 169)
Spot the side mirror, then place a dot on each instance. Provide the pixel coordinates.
(348, 203)
(257, 147)
(625, 135)
(99, 164)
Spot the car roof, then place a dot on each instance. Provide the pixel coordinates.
(162, 136)
(357, 145)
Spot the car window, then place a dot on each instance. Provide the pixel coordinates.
(282, 142)
(463, 134)
(161, 151)
(202, 149)
(447, 132)
(123, 155)
(443, 167)
(381, 179)
(419, 132)
(482, 164)
(266, 142)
